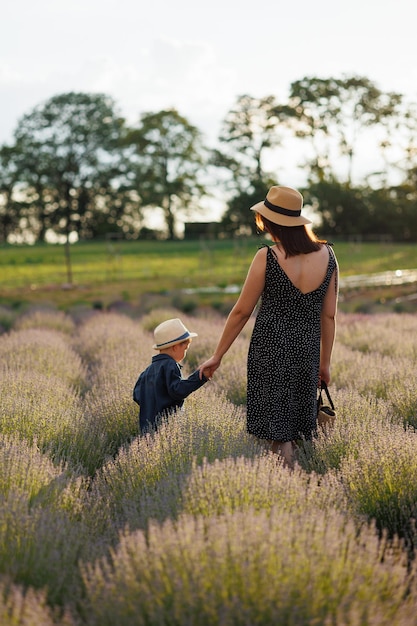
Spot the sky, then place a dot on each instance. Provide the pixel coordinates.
(195, 56)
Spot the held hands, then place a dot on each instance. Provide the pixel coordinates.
(209, 367)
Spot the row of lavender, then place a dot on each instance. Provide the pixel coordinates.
(198, 524)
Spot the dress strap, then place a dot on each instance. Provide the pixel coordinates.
(335, 268)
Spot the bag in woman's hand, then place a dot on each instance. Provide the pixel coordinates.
(326, 415)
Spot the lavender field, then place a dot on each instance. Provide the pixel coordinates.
(199, 524)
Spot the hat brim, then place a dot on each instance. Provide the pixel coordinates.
(277, 218)
(168, 344)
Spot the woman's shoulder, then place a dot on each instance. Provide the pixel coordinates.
(260, 256)
(262, 251)
(330, 250)
(326, 249)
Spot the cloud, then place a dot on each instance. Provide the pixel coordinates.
(167, 73)
(19, 93)
(185, 75)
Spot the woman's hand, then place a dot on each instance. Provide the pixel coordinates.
(209, 367)
(324, 374)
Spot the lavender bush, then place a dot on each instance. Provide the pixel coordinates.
(38, 407)
(197, 523)
(46, 319)
(208, 428)
(379, 480)
(44, 352)
(277, 567)
(358, 419)
(40, 547)
(258, 483)
(29, 608)
(24, 469)
(388, 335)
(115, 350)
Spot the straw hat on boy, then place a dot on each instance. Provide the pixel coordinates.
(169, 333)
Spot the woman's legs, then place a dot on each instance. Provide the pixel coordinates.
(286, 450)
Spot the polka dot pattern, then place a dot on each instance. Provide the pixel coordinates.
(284, 357)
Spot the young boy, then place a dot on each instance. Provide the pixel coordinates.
(160, 388)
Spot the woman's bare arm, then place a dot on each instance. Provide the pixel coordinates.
(241, 312)
(328, 326)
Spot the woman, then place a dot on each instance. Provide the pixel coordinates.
(294, 331)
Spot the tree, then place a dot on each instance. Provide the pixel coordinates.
(238, 219)
(388, 212)
(343, 210)
(337, 111)
(168, 156)
(68, 155)
(394, 210)
(9, 207)
(248, 131)
(399, 145)
(68, 150)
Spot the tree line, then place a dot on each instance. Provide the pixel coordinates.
(75, 166)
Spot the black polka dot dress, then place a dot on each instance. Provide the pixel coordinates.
(284, 357)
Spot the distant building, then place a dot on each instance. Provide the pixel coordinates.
(199, 230)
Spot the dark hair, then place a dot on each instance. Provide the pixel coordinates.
(294, 239)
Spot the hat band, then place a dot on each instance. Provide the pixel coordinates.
(184, 336)
(280, 209)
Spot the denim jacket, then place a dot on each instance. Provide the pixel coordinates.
(161, 389)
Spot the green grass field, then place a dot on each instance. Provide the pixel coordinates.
(105, 272)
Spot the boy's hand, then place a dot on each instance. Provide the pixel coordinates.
(208, 373)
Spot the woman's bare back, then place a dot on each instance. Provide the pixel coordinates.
(305, 271)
